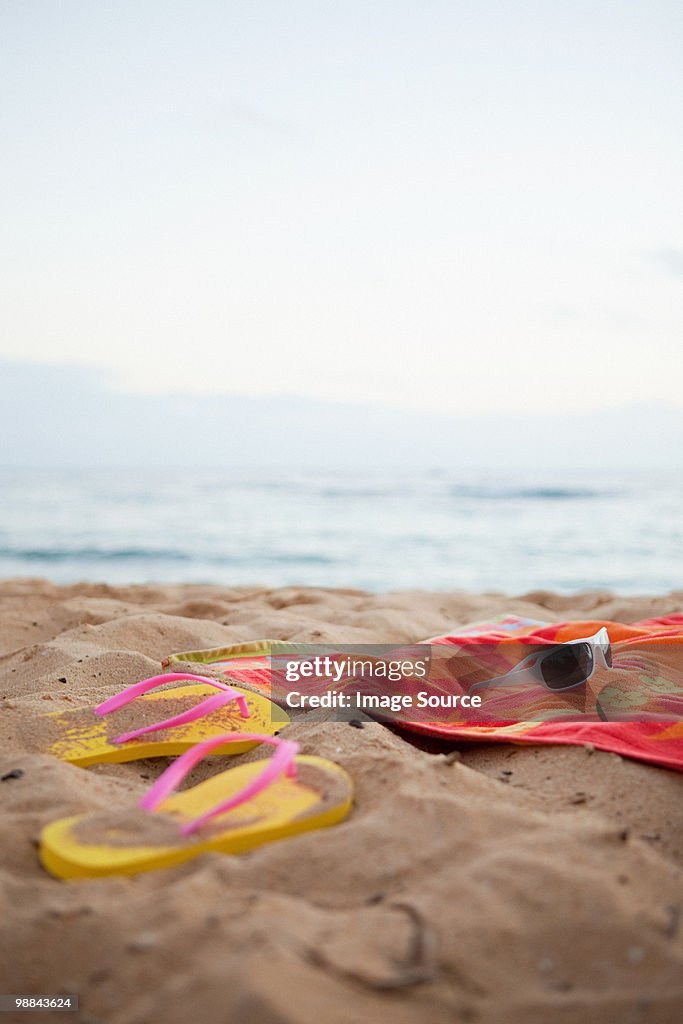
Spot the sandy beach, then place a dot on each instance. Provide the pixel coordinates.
(471, 883)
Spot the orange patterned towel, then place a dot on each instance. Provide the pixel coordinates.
(636, 709)
(644, 695)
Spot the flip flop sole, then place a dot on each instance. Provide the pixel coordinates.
(130, 842)
(82, 738)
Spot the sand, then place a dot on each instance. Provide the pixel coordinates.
(470, 883)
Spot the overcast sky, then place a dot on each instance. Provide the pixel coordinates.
(465, 207)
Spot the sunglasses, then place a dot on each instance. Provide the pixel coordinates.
(562, 666)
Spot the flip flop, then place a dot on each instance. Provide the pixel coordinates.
(84, 737)
(291, 795)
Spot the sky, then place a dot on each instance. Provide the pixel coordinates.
(465, 208)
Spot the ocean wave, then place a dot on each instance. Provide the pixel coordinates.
(92, 554)
(89, 554)
(293, 558)
(497, 493)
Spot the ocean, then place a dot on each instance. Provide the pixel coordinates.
(378, 530)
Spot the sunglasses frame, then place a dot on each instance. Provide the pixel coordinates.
(529, 670)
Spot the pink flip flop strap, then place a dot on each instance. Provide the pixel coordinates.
(120, 700)
(281, 763)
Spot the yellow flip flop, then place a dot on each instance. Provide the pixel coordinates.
(86, 736)
(229, 813)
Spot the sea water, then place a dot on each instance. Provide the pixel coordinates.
(379, 529)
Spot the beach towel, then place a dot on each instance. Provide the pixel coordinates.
(636, 712)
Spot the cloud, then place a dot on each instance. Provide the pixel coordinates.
(54, 416)
(262, 120)
(670, 259)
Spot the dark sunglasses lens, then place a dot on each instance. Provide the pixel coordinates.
(607, 652)
(567, 666)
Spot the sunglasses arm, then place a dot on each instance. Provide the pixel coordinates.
(518, 674)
